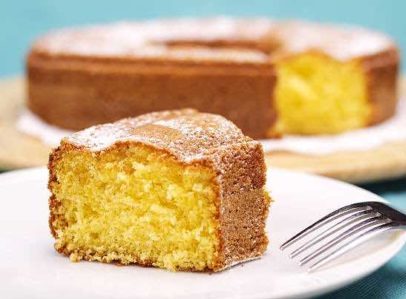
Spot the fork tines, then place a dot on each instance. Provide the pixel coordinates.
(336, 233)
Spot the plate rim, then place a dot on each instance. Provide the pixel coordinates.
(396, 242)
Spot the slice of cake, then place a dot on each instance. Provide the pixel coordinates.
(179, 190)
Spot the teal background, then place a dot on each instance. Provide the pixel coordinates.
(21, 21)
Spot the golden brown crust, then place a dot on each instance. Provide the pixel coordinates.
(192, 138)
(382, 73)
(85, 93)
(244, 204)
(228, 70)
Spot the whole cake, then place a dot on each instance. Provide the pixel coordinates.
(269, 77)
(179, 190)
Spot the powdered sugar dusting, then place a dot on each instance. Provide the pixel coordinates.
(342, 43)
(149, 39)
(185, 133)
(200, 54)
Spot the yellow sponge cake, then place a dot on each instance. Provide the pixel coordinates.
(179, 190)
(270, 77)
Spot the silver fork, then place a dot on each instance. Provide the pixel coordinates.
(342, 230)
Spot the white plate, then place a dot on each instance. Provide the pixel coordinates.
(30, 268)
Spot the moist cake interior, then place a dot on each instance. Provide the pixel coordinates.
(316, 94)
(138, 205)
